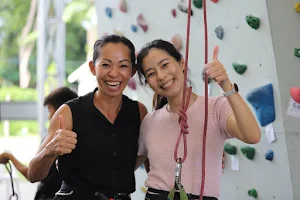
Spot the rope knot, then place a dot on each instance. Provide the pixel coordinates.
(183, 121)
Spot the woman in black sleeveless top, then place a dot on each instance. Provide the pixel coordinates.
(95, 136)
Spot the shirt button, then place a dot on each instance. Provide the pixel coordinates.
(114, 173)
(114, 135)
(115, 154)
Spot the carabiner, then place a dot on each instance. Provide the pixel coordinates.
(178, 168)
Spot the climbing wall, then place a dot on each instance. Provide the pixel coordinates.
(258, 47)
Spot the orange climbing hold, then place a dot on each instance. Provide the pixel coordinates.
(215, 1)
(177, 41)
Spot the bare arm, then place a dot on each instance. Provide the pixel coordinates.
(5, 157)
(140, 160)
(143, 112)
(242, 124)
(59, 140)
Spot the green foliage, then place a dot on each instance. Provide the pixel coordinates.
(18, 128)
(18, 94)
(13, 16)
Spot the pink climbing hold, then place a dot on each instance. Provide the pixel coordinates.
(136, 53)
(177, 41)
(215, 1)
(174, 13)
(142, 22)
(123, 6)
(132, 84)
(295, 94)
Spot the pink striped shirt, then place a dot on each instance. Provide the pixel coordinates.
(158, 135)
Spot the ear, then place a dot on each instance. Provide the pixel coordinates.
(182, 64)
(92, 67)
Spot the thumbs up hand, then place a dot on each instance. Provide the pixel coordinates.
(217, 72)
(63, 142)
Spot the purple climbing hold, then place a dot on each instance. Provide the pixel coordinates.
(262, 100)
(132, 84)
(219, 32)
(108, 12)
(174, 12)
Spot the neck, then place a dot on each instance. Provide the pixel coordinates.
(176, 102)
(106, 103)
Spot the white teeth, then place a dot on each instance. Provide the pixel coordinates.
(110, 83)
(167, 84)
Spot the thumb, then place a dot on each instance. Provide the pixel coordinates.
(61, 122)
(216, 53)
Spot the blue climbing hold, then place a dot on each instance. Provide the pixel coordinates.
(263, 102)
(269, 155)
(134, 28)
(108, 12)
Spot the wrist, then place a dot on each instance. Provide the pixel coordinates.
(227, 86)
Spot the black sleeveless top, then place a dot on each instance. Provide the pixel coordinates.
(105, 153)
(50, 185)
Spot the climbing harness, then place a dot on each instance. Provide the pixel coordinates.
(178, 187)
(14, 194)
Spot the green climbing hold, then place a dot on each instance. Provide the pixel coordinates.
(230, 149)
(253, 21)
(297, 52)
(248, 152)
(197, 3)
(252, 193)
(239, 68)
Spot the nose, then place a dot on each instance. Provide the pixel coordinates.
(114, 72)
(160, 75)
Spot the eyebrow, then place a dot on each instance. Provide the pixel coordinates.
(119, 61)
(145, 72)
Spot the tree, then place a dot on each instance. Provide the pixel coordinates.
(12, 26)
(27, 44)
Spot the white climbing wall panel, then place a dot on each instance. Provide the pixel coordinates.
(241, 43)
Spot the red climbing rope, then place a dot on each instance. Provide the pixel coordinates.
(185, 101)
(206, 101)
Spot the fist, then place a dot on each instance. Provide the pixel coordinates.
(63, 142)
(4, 158)
(216, 71)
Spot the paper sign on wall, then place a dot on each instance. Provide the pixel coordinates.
(294, 109)
(270, 133)
(234, 163)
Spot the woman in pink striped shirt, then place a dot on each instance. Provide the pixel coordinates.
(162, 67)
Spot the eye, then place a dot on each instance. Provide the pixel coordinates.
(150, 74)
(105, 65)
(123, 66)
(165, 65)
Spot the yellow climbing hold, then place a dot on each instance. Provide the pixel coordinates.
(144, 189)
(297, 7)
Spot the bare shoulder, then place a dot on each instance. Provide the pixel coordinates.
(143, 110)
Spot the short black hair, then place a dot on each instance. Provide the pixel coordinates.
(59, 96)
(114, 39)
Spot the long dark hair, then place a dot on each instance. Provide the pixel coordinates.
(159, 101)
